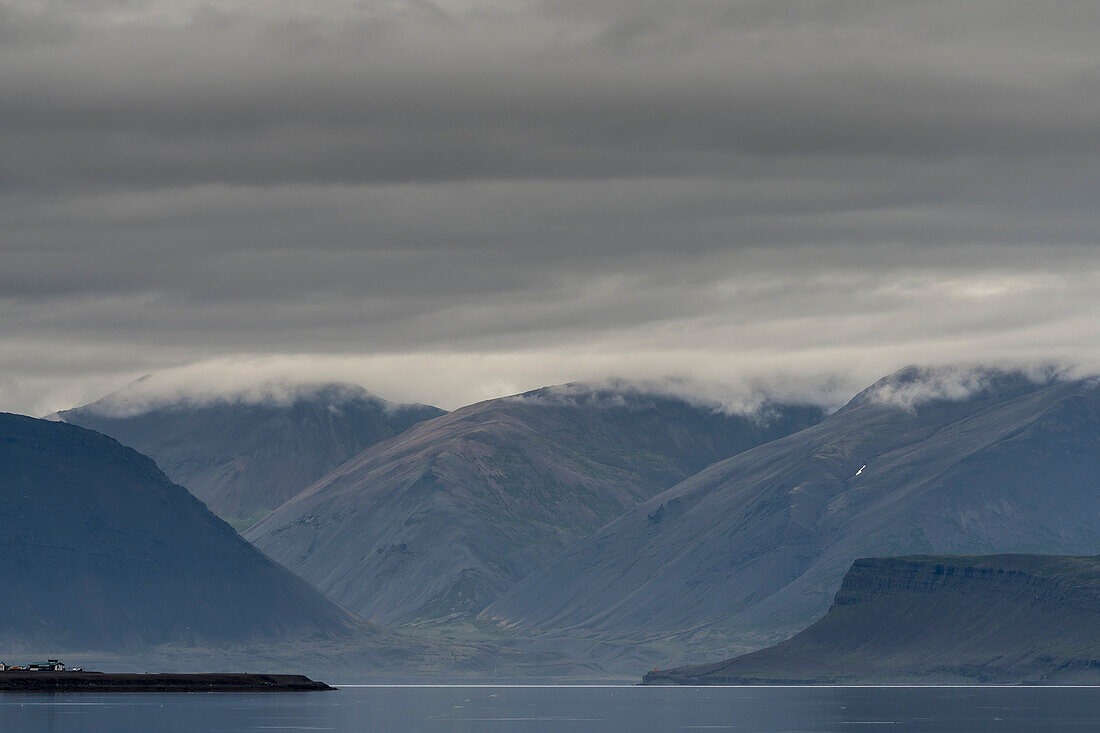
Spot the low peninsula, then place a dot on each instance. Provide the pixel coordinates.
(984, 619)
(27, 681)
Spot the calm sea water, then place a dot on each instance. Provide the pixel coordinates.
(566, 709)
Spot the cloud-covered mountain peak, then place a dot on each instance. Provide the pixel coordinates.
(757, 401)
(153, 392)
(915, 385)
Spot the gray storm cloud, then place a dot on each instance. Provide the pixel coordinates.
(454, 200)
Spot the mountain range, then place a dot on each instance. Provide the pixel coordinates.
(580, 526)
(438, 522)
(242, 456)
(752, 548)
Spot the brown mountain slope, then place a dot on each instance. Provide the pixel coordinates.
(439, 521)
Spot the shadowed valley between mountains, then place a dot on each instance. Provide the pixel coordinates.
(940, 619)
(242, 456)
(439, 521)
(106, 561)
(752, 548)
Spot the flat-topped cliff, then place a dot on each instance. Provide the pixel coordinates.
(997, 619)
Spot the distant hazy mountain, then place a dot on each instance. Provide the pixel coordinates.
(991, 619)
(244, 458)
(753, 548)
(99, 550)
(439, 521)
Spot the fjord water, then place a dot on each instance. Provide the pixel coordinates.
(568, 709)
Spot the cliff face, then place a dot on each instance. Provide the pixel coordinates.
(243, 458)
(1001, 618)
(437, 522)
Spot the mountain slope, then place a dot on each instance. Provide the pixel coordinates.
(1008, 618)
(437, 522)
(99, 550)
(244, 458)
(752, 548)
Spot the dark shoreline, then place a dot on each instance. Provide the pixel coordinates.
(105, 682)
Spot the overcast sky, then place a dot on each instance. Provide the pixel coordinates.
(446, 201)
